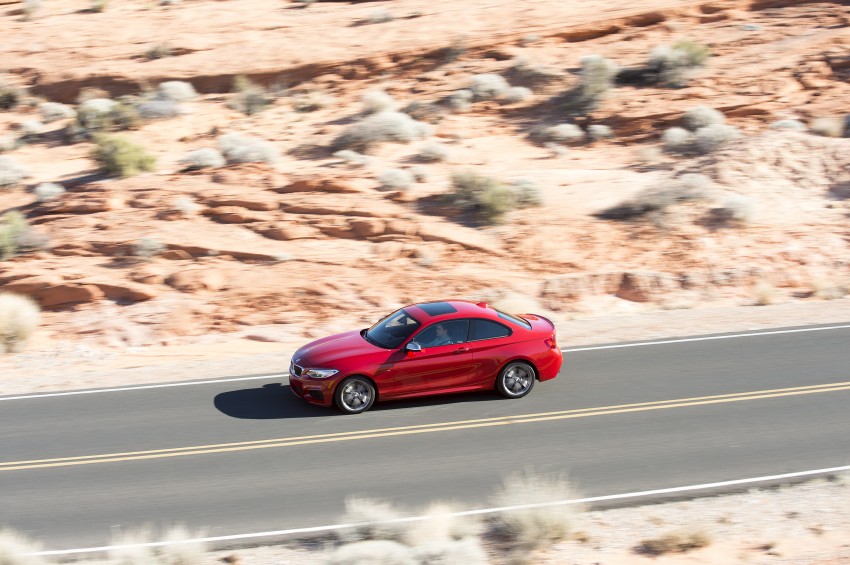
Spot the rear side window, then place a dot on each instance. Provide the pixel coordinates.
(486, 329)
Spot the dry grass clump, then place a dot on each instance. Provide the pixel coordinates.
(130, 547)
(598, 132)
(671, 66)
(526, 193)
(442, 524)
(13, 545)
(707, 132)
(702, 116)
(238, 148)
(29, 8)
(656, 200)
(765, 294)
(311, 101)
(176, 90)
(567, 134)
(676, 542)
(19, 318)
(534, 527)
(366, 512)
(713, 137)
(11, 173)
(204, 158)
(459, 101)
(488, 86)
(160, 50)
(99, 115)
(119, 156)
(380, 128)
(736, 210)
(16, 235)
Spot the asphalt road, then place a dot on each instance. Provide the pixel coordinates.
(597, 427)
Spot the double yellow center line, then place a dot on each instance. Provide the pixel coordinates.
(419, 429)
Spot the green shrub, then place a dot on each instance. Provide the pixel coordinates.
(597, 78)
(250, 98)
(487, 198)
(13, 225)
(118, 156)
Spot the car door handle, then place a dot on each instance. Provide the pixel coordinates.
(462, 350)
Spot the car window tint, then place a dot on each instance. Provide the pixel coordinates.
(515, 319)
(455, 332)
(390, 332)
(486, 329)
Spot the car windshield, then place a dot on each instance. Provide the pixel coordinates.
(391, 332)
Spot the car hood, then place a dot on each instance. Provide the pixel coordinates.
(323, 353)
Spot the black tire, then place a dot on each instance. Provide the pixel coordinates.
(354, 395)
(515, 380)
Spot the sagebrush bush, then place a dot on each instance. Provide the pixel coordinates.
(442, 524)
(54, 111)
(735, 210)
(11, 173)
(459, 101)
(597, 132)
(30, 130)
(204, 158)
(159, 109)
(597, 78)
(432, 151)
(517, 94)
(676, 542)
(19, 318)
(250, 98)
(487, 198)
(526, 193)
(713, 137)
(176, 90)
(395, 179)
(119, 156)
(181, 547)
(702, 116)
(353, 157)
(13, 227)
(161, 50)
(425, 112)
(379, 128)
(13, 545)
(311, 101)
(568, 134)
(103, 114)
(534, 76)
(788, 124)
(673, 65)
(380, 17)
(488, 86)
(677, 140)
(47, 191)
(534, 527)
(238, 148)
(375, 101)
(656, 200)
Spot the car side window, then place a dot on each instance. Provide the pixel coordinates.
(487, 329)
(443, 333)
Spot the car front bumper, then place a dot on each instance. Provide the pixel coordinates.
(314, 391)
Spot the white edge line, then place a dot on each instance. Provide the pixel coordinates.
(280, 375)
(706, 338)
(143, 387)
(464, 513)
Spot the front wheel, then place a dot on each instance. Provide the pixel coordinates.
(515, 380)
(354, 395)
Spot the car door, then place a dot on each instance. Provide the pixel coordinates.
(436, 368)
(490, 344)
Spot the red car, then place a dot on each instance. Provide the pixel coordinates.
(424, 349)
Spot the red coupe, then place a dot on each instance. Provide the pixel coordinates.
(424, 349)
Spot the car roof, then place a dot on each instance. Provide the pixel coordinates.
(427, 312)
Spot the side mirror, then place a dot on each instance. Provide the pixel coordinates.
(413, 347)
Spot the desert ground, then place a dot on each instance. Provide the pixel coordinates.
(609, 196)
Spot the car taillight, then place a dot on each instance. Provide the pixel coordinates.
(550, 342)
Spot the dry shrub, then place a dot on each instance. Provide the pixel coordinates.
(372, 552)
(11, 173)
(736, 210)
(827, 127)
(827, 288)
(677, 542)
(488, 86)
(713, 137)
(353, 157)
(656, 200)
(377, 101)
(176, 90)
(702, 116)
(47, 191)
(204, 158)
(19, 318)
(238, 148)
(537, 526)
(441, 524)
(130, 547)
(597, 78)
(425, 112)
(380, 128)
(395, 179)
(54, 111)
(765, 294)
(16, 235)
(432, 151)
(250, 98)
(14, 546)
(366, 512)
(677, 140)
(468, 551)
(181, 548)
(487, 198)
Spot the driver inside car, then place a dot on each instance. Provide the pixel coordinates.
(441, 337)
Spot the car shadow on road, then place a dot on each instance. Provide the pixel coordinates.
(268, 402)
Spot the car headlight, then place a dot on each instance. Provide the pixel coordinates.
(319, 373)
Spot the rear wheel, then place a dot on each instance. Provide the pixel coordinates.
(354, 395)
(515, 380)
